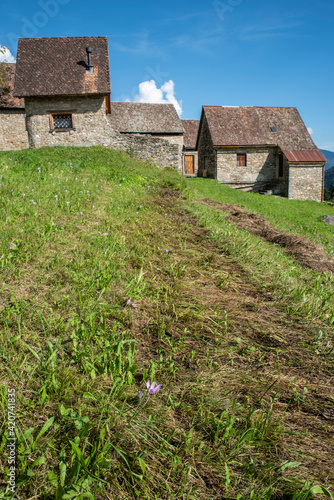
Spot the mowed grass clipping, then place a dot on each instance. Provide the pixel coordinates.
(291, 216)
(107, 283)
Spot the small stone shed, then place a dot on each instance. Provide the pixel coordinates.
(13, 133)
(190, 154)
(65, 83)
(153, 131)
(259, 149)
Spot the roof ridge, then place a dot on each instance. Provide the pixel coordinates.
(60, 37)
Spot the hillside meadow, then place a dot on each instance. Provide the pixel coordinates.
(116, 274)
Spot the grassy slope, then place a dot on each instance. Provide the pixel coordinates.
(246, 394)
(294, 216)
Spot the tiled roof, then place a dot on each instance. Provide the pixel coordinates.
(190, 133)
(308, 156)
(143, 118)
(7, 76)
(58, 66)
(252, 126)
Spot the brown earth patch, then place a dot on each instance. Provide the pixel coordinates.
(302, 249)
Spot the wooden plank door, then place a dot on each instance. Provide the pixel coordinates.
(189, 167)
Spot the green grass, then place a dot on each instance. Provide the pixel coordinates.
(107, 282)
(292, 216)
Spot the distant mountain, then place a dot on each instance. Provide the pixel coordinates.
(329, 176)
(329, 155)
(329, 167)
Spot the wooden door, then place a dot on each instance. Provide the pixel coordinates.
(189, 167)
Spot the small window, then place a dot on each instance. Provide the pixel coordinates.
(241, 160)
(61, 121)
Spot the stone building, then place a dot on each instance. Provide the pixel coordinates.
(153, 131)
(65, 83)
(13, 133)
(190, 154)
(259, 149)
(61, 96)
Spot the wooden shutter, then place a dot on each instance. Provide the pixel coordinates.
(241, 160)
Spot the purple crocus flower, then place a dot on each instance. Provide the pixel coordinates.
(152, 389)
(140, 394)
(56, 197)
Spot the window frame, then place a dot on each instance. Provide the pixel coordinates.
(244, 156)
(53, 114)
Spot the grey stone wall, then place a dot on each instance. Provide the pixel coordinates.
(157, 149)
(91, 126)
(261, 165)
(305, 182)
(206, 152)
(13, 135)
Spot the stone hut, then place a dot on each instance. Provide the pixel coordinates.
(65, 83)
(259, 149)
(13, 133)
(153, 131)
(190, 154)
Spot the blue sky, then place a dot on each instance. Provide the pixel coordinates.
(229, 52)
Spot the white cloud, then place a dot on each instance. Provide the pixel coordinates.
(149, 92)
(310, 130)
(5, 55)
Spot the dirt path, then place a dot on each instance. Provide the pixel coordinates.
(305, 251)
(258, 351)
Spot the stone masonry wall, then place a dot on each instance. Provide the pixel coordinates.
(13, 135)
(305, 182)
(157, 149)
(91, 126)
(261, 165)
(206, 152)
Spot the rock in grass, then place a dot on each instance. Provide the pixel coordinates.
(328, 219)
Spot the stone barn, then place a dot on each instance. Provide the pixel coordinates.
(260, 149)
(65, 83)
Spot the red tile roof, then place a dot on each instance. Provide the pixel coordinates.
(190, 133)
(58, 66)
(309, 156)
(251, 126)
(7, 76)
(145, 118)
